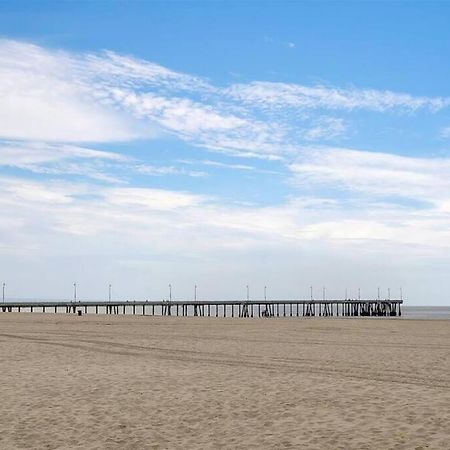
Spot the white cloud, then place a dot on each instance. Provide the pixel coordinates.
(152, 199)
(204, 126)
(269, 95)
(24, 154)
(163, 218)
(231, 166)
(445, 132)
(148, 169)
(43, 99)
(64, 159)
(422, 179)
(60, 96)
(128, 71)
(223, 165)
(27, 191)
(177, 114)
(326, 128)
(50, 95)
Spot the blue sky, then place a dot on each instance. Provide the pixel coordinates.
(224, 144)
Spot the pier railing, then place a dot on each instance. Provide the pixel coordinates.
(218, 308)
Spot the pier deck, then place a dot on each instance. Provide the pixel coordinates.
(218, 308)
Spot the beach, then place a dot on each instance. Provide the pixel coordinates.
(132, 382)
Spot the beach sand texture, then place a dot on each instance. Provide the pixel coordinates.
(124, 382)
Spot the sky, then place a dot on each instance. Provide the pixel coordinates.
(225, 144)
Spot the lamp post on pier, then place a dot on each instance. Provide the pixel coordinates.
(248, 293)
(265, 293)
(3, 292)
(109, 292)
(74, 292)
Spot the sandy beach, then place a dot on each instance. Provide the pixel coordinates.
(97, 382)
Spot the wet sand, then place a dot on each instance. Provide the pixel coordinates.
(105, 382)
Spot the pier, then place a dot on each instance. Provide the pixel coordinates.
(217, 308)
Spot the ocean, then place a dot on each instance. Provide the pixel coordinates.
(426, 312)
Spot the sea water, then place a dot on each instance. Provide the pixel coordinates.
(426, 312)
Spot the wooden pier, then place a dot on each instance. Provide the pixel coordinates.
(226, 308)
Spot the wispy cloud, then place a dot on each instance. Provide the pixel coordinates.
(65, 160)
(268, 95)
(147, 169)
(45, 97)
(51, 95)
(61, 159)
(326, 128)
(376, 174)
(163, 219)
(445, 132)
(230, 166)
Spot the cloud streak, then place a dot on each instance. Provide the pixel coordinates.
(51, 95)
(57, 159)
(374, 173)
(271, 95)
(160, 218)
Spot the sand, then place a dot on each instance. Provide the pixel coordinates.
(105, 382)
